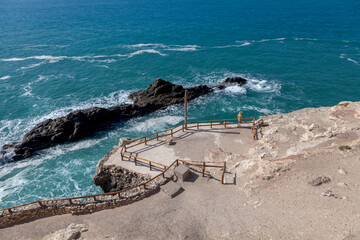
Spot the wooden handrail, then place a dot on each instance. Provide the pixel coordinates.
(90, 196)
(93, 196)
(166, 168)
(211, 122)
(152, 162)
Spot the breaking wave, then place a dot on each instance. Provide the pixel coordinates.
(344, 56)
(164, 47)
(145, 51)
(141, 125)
(14, 129)
(5, 77)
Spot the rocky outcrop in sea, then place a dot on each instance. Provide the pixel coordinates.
(85, 123)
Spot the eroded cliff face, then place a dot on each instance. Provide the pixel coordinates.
(114, 178)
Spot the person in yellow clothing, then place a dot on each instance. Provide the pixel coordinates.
(240, 119)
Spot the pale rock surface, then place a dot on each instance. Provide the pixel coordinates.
(73, 231)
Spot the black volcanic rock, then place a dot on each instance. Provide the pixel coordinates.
(84, 123)
(166, 93)
(232, 81)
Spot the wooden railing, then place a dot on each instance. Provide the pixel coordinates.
(43, 203)
(138, 160)
(152, 164)
(182, 127)
(203, 165)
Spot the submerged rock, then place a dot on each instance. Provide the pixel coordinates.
(85, 123)
(239, 81)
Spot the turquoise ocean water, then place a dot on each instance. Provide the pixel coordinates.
(59, 56)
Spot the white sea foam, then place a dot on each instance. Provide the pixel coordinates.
(14, 129)
(352, 60)
(261, 85)
(271, 39)
(17, 175)
(145, 51)
(258, 109)
(5, 77)
(235, 89)
(243, 44)
(42, 57)
(46, 45)
(306, 39)
(28, 87)
(182, 48)
(248, 42)
(32, 65)
(103, 66)
(164, 47)
(141, 45)
(344, 56)
(152, 124)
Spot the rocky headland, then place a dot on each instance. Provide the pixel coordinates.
(85, 123)
(299, 180)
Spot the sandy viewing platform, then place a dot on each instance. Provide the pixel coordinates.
(205, 144)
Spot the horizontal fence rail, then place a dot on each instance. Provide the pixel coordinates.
(182, 127)
(43, 203)
(152, 164)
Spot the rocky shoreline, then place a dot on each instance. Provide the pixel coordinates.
(85, 123)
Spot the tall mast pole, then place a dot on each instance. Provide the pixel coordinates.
(185, 100)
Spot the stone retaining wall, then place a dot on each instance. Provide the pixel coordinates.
(34, 211)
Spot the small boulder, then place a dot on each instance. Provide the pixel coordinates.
(319, 180)
(169, 141)
(342, 171)
(268, 177)
(328, 193)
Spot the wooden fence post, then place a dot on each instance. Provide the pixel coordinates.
(197, 125)
(185, 107)
(171, 131)
(144, 186)
(203, 169)
(135, 160)
(223, 174)
(182, 127)
(119, 195)
(210, 124)
(70, 201)
(225, 123)
(157, 136)
(145, 141)
(150, 166)
(40, 203)
(94, 198)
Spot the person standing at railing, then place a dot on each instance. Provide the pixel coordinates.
(240, 119)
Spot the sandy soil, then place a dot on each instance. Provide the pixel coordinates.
(271, 197)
